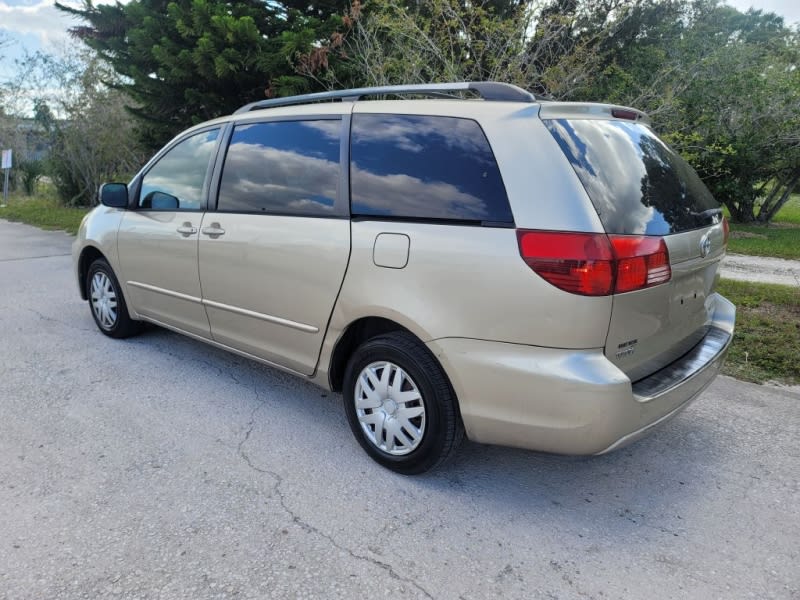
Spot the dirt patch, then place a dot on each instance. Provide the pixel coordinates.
(767, 309)
(761, 269)
(746, 235)
(784, 226)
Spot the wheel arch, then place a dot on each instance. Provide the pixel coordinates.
(88, 255)
(353, 336)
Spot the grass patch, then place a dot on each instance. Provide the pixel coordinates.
(43, 212)
(789, 212)
(765, 346)
(781, 240)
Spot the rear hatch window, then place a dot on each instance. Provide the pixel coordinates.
(637, 184)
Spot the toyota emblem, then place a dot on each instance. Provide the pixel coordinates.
(705, 245)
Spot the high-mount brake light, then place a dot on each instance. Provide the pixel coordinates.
(621, 113)
(595, 264)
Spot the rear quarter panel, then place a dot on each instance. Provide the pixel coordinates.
(463, 281)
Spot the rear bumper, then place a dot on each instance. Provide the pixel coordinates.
(573, 401)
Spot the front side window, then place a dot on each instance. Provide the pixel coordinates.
(421, 167)
(282, 167)
(175, 182)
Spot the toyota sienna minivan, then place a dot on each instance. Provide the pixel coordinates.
(456, 259)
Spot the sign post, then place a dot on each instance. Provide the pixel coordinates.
(6, 166)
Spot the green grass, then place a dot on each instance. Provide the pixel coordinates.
(789, 212)
(43, 212)
(781, 238)
(766, 346)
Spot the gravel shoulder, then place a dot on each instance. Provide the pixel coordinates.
(761, 269)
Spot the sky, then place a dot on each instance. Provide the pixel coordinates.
(36, 24)
(788, 9)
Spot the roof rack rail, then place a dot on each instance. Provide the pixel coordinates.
(488, 90)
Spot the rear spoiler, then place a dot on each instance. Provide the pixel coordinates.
(591, 110)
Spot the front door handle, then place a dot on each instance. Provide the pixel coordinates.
(213, 231)
(186, 229)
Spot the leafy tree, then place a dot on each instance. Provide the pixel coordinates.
(186, 61)
(722, 86)
(83, 125)
(391, 42)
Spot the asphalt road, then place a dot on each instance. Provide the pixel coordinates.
(159, 467)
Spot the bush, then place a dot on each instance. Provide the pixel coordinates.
(30, 171)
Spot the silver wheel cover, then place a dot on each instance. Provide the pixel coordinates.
(389, 407)
(103, 300)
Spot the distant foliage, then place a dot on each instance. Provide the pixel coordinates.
(722, 86)
(30, 172)
(86, 133)
(186, 61)
(530, 44)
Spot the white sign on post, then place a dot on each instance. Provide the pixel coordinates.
(6, 166)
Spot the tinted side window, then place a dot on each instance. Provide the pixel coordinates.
(637, 183)
(424, 167)
(284, 167)
(176, 180)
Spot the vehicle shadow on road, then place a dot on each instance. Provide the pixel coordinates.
(658, 476)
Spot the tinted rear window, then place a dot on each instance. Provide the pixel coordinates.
(422, 167)
(637, 183)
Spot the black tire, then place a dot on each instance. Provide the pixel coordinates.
(443, 429)
(121, 325)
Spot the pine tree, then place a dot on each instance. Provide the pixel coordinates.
(186, 61)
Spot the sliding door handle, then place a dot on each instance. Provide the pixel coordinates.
(213, 230)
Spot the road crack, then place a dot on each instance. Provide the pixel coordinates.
(305, 525)
(21, 258)
(44, 317)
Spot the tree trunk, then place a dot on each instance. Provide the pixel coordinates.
(740, 212)
(768, 211)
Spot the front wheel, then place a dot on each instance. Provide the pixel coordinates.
(400, 404)
(107, 303)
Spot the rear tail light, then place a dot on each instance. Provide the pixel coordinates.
(726, 231)
(595, 264)
(641, 262)
(581, 263)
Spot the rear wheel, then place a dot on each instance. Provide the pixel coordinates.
(400, 405)
(106, 302)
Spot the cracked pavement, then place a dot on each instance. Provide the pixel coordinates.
(159, 468)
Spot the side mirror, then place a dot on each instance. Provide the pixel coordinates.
(114, 195)
(163, 201)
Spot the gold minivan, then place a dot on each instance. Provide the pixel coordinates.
(456, 259)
